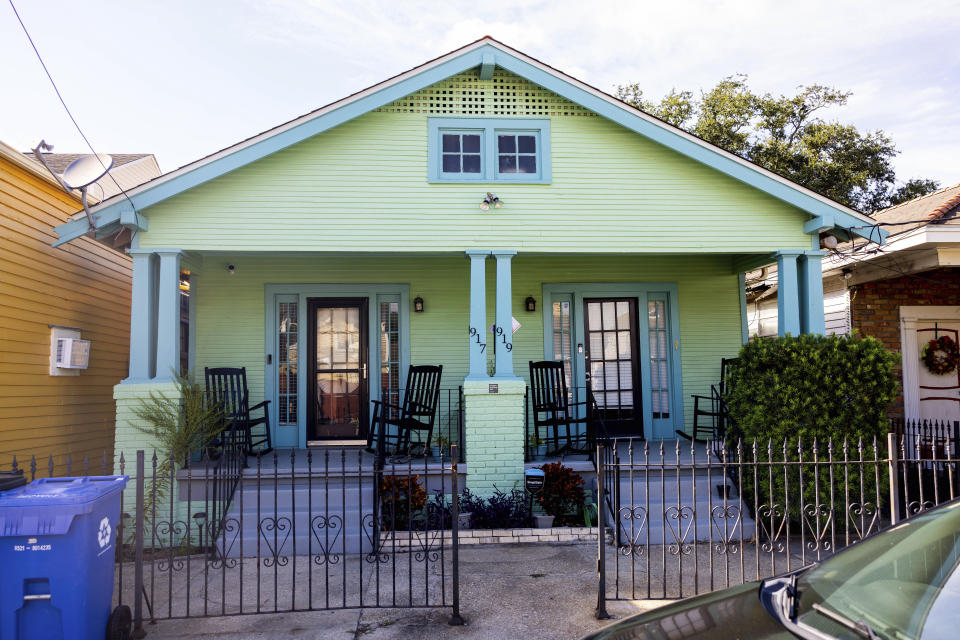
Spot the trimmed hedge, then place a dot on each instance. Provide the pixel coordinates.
(812, 387)
(798, 389)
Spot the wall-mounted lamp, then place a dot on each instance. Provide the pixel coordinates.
(530, 303)
(828, 241)
(847, 273)
(491, 200)
(418, 305)
(231, 269)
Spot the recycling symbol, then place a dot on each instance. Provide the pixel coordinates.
(103, 536)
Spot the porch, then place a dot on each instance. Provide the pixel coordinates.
(321, 336)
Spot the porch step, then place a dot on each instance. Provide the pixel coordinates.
(299, 516)
(687, 506)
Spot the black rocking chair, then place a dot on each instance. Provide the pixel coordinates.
(568, 425)
(393, 427)
(712, 423)
(228, 386)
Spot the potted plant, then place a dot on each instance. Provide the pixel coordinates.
(562, 495)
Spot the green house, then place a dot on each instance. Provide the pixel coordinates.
(480, 211)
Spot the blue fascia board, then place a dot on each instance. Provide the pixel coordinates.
(660, 133)
(663, 134)
(106, 221)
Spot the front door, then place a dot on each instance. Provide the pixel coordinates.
(612, 363)
(939, 395)
(337, 354)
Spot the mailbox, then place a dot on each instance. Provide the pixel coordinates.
(533, 480)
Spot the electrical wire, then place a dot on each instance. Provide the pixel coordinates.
(64, 103)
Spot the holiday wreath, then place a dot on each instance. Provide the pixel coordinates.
(941, 355)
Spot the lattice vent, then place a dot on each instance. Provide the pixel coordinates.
(504, 95)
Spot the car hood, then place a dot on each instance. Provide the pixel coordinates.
(734, 613)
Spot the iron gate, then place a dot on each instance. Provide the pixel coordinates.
(694, 517)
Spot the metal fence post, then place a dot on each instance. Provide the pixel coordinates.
(893, 476)
(138, 631)
(601, 541)
(455, 619)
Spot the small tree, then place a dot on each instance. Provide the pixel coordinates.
(178, 426)
(791, 392)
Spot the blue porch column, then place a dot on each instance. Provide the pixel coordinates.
(478, 313)
(811, 293)
(504, 358)
(168, 313)
(788, 293)
(143, 316)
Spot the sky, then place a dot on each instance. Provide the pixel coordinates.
(182, 79)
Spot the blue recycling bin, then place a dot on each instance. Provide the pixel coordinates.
(57, 549)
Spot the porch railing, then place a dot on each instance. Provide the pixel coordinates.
(447, 426)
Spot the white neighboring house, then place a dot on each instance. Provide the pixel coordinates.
(903, 293)
(129, 170)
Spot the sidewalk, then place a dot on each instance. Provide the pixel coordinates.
(529, 591)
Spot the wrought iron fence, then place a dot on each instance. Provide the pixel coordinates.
(300, 530)
(690, 518)
(227, 534)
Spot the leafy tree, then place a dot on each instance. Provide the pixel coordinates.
(786, 135)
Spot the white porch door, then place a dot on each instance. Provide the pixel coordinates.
(927, 396)
(938, 396)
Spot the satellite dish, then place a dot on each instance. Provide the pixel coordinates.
(86, 170)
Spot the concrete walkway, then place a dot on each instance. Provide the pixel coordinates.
(527, 591)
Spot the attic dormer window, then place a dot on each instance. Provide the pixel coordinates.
(489, 150)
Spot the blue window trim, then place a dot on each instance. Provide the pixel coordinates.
(489, 127)
(296, 435)
(660, 429)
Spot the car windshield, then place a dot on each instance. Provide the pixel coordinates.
(904, 583)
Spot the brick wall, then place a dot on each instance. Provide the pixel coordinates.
(875, 308)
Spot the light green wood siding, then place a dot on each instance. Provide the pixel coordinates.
(230, 308)
(363, 186)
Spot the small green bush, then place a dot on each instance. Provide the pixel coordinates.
(806, 389)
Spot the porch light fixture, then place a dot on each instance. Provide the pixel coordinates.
(418, 305)
(847, 273)
(491, 200)
(530, 303)
(828, 241)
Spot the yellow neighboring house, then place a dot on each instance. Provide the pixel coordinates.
(74, 300)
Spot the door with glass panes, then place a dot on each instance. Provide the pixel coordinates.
(622, 349)
(337, 359)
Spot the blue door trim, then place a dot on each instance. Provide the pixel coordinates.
(576, 292)
(374, 293)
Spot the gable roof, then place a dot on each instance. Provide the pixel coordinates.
(484, 54)
(60, 161)
(939, 207)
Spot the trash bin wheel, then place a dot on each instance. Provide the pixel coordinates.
(120, 623)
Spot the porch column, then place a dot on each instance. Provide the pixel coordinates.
(478, 313)
(788, 294)
(504, 349)
(168, 314)
(811, 293)
(143, 316)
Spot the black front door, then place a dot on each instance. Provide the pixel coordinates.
(337, 355)
(613, 372)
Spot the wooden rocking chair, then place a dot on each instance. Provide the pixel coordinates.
(393, 427)
(568, 425)
(228, 386)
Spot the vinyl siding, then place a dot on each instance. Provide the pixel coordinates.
(84, 285)
(362, 186)
(230, 308)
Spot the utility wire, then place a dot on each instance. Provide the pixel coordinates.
(64, 103)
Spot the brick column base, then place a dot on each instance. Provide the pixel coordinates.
(494, 433)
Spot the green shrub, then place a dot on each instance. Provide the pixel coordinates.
(806, 389)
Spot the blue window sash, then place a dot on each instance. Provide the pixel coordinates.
(489, 162)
